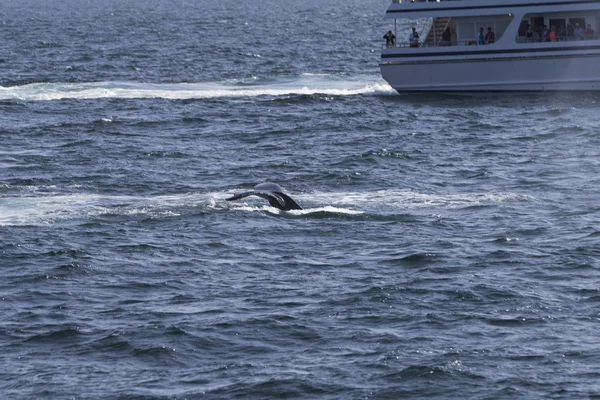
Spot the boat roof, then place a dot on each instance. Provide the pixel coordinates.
(466, 8)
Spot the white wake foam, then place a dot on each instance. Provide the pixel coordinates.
(406, 198)
(63, 208)
(306, 84)
(383, 201)
(48, 209)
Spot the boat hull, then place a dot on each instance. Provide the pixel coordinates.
(553, 73)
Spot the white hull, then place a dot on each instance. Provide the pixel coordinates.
(513, 61)
(539, 74)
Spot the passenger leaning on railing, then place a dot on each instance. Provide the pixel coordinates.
(413, 39)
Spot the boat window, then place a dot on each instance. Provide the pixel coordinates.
(467, 30)
(558, 27)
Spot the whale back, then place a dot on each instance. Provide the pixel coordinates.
(273, 193)
(278, 199)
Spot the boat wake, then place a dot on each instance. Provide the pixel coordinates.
(411, 199)
(73, 208)
(306, 84)
(51, 209)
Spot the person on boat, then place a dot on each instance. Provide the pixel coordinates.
(414, 38)
(446, 37)
(562, 34)
(540, 34)
(529, 34)
(589, 32)
(578, 32)
(490, 37)
(481, 37)
(552, 35)
(570, 30)
(545, 33)
(390, 39)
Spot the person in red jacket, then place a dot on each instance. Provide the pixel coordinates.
(490, 37)
(552, 36)
(589, 32)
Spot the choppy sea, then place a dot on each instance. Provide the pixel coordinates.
(449, 245)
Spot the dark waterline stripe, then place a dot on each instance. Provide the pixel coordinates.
(504, 59)
(490, 52)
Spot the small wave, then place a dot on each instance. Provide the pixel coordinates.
(515, 321)
(421, 372)
(302, 85)
(385, 153)
(65, 334)
(505, 240)
(415, 260)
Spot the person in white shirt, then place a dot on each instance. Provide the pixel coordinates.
(578, 32)
(414, 38)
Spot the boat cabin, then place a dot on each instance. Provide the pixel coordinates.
(511, 22)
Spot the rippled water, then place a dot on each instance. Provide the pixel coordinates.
(448, 246)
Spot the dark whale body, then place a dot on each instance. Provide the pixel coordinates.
(273, 193)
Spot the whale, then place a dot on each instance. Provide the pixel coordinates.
(273, 193)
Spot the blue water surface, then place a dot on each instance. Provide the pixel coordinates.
(448, 246)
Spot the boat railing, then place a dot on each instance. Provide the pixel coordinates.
(403, 45)
(521, 39)
(463, 43)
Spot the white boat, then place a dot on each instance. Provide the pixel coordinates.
(524, 56)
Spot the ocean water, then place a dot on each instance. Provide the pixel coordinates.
(449, 245)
